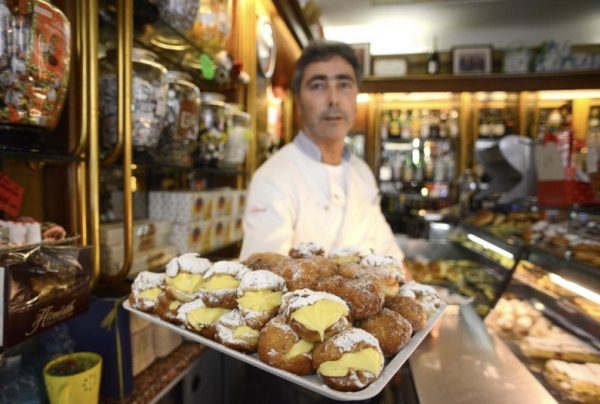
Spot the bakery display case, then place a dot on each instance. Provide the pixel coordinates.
(548, 311)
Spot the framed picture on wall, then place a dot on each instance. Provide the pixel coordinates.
(362, 52)
(475, 59)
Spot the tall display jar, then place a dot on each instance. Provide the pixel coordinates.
(35, 52)
(179, 138)
(238, 135)
(213, 127)
(149, 99)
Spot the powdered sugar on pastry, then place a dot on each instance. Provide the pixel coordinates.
(227, 268)
(189, 262)
(375, 260)
(146, 280)
(305, 250)
(306, 297)
(261, 280)
(424, 294)
(348, 339)
(350, 251)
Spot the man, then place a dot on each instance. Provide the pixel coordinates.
(313, 189)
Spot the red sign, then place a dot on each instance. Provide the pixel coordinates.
(11, 196)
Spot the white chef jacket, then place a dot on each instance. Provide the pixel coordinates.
(290, 201)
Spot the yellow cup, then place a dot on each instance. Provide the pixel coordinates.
(73, 378)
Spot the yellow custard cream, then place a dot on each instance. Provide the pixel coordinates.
(186, 282)
(261, 300)
(150, 294)
(368, 360)
(174, 305)
(299, 348)
(205, 315)
(218, 282)
(320, 315)
(246, 333)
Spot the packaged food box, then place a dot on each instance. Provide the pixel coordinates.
(147, 234)
(164, 340)
(219, 233)
(237, 228)
(238, 202)
(142, 344)
(42, 289)
(139, 206)
(181, 206)
(192, 237)
(222, 202)
(111, 259)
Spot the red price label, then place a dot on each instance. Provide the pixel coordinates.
(11, 196)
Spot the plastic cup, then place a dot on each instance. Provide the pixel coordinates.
(73, 378)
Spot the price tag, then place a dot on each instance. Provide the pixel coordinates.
(11, 196)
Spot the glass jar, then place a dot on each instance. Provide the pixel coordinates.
(213, 126)
(212, 26)
(35, 52)
(238, 135)
(177, 19)
(179, 136)
(149, 99)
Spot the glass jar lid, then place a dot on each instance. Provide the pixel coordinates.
(173, 75)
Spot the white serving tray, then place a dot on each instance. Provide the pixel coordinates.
(312, 382)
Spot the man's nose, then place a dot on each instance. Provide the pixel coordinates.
(334, 96)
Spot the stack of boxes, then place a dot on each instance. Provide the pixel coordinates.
(151, 246)
(202, 220)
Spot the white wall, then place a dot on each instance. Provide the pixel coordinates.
(409, 28)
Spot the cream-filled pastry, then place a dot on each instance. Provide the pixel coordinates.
(424, 294)
(197, 317)
(349, 361)
(315, 316)
(306, 250)
(221, 284)
(145, 291)
(167, 308)
(362, 294)
(184, 276)
(389, 270)
(280, 346)
(259, 296)
(233, 331)
(348, 255)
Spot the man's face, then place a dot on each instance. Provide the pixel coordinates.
(327, 99)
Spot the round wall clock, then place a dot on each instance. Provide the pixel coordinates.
(265, 46)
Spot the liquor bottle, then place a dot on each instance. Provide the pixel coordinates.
(433, 63)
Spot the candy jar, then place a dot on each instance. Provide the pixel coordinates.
(212, 25)
(213, 126)
(149, 99)
(238, 135)
(35, 51)
(179, 136)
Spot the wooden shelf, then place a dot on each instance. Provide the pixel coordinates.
(483, 82)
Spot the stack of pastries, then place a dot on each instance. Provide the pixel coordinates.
(337, 315)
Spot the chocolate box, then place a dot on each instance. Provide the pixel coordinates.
(40, 288)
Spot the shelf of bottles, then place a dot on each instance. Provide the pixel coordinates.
(418, 156)
(496, 114)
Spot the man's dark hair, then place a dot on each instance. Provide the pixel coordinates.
(319, 51)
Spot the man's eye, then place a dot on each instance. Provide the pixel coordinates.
(346, 84)
(317, 85)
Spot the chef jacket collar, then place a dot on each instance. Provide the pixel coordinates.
(309, 148)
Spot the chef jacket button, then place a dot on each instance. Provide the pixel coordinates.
(326, 207)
